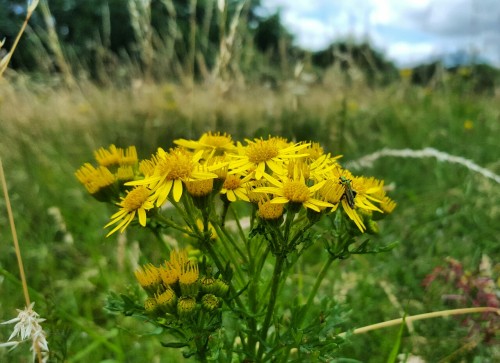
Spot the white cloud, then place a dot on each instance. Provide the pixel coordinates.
(409, 54)
(408, 31)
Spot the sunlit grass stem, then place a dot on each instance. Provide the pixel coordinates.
(14, 236)
(4, 62)
(436, 314)
(17, 249)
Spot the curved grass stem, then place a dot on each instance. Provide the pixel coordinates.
(436, 314)
(14, 236)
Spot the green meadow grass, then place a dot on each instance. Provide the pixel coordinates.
(444, 210)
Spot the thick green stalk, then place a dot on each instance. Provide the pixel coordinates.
(277, 273)
(314, 289)
(225, 236)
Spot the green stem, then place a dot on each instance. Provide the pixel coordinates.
(288, 226)
(254, 270)
(224, 213)
(314, 289)
(278, 269)
(174, 225)
(299, 233)
(225, 236)
(201, 347)
(159, 236)
(238, 224)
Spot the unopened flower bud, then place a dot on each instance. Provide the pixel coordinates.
(210, 302)
(166, 300)
(221, 288)
(186, 307)
(208, 285)
(150, 305)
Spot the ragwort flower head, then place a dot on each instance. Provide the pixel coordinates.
(212, 144)
(149, 277)
(294, 191)
(358, 196)
(99, 182)
(261, 156)
(137, 201)
(235, 188)
(114, 156)
(172, 169)
(171, 270)
(314, 151)
(270, 211)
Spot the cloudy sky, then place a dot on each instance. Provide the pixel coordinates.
(406, 31)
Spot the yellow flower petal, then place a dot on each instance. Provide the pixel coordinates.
(177, 190)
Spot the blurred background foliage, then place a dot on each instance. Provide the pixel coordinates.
(179, 39)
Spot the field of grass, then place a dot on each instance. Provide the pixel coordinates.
(445, 210)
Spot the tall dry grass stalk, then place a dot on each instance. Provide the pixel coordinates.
(37, 334)
(14, 236)
(227, 43)
(140, 18)
(173, 33)
(55, 45)
(4, 61)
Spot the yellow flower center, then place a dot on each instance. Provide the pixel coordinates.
(270, 211)
(148, 276)
(168, 276)
(129, 156)
(189, 274)
(167, 298)
(95, 179)
(232, 182)
(200, 188)
(136, 198)
(125, 173)
(332, 191)
(109, 157)
(180, 165)
(295, 191)
(262, 150)
(178, 258)
(314, 150)
(216, 140)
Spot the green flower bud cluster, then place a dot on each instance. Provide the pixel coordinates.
(176, 290)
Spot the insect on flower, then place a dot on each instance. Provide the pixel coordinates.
(349, 193)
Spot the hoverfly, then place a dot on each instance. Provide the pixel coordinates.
(349, 193)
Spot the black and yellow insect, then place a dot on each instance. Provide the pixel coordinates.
(349, 193)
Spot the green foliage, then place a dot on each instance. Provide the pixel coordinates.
(443, 210)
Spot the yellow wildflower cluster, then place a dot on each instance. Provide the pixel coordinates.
(273, 173)
(115, 167)
(176, 288)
